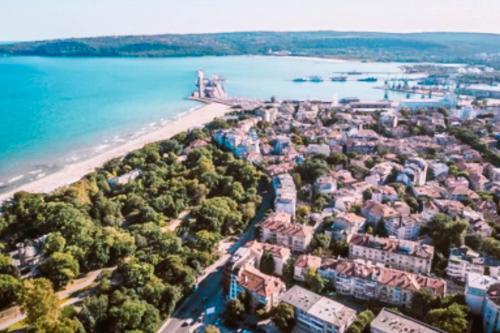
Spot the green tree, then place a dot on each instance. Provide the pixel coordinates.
(234, 310)
(204, 240)
(452, 319)
(55, 243)
(361, 322)
(10, 288)
(267, 264)
(218, 214)
(288, 270)
(315, 281)
(312, 169)
(211, 329)
(445, 232)
(60, 268)
(284, 317)
(38, 301)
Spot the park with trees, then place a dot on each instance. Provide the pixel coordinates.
(96, 223)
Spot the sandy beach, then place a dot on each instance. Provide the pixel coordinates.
(74, 172)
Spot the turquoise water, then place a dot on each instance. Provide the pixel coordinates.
(58, 110)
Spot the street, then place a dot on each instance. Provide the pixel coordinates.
(209, 291)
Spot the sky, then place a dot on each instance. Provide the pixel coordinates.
(49, 19)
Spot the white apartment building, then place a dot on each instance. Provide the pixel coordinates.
(462, 261)
(476, 286)
(285, 194)
(388, 321)
(405, 227)
(400, 254)
(317, 314)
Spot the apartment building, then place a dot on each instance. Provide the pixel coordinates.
(278, 229)
(285, 194)
(364, 280)
(400, 254)
(388, 321)
(317, 314)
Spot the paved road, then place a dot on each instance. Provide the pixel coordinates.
(209, 292)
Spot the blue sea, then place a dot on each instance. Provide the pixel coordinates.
(55, 111)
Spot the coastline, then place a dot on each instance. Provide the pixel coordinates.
(75, 171)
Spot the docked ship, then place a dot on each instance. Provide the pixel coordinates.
(368, 79)
(339, 78)
(316, 78)
(354, 73)
(300, 79)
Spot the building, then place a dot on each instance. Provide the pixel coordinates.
(363, 280)
(125, 178)
(278, 229)
(317, 314)
(462, 261)
(476, 286)
(209, 88)
(401, 254)
(447, 102)
(304, 263)
(285, 194)
(326, 185)
(414, 172)
(251, 255)
(318, 150)
(405, 227)
(388, 321)
(481, 91)
(375, 211)
(264, 290)
(491, 310)
(345, 225)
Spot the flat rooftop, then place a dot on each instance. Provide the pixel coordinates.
(393, 322)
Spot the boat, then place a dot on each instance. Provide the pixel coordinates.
(354, 73)
(368, 79)
(339, 78)
(316, 78)
(300, 79)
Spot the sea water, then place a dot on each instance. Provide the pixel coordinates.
(55, 111)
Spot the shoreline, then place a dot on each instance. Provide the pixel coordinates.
(73, 172)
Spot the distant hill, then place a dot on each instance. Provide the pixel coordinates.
(438, 46)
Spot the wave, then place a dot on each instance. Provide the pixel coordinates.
(15, 179)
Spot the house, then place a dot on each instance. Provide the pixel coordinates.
(304, 263)
(388, 119)
(318, 150)
(345, 199)
(405, 227)
(374, 212)
(278, 229)
(365, 281)
(401, 254)
(345, 225)
(281, 145)
(389, 321)
(414, 172)
(125, 178)
(439, 170)
(325, 185)
(317, 314)
(264, 290)
(385, 193)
